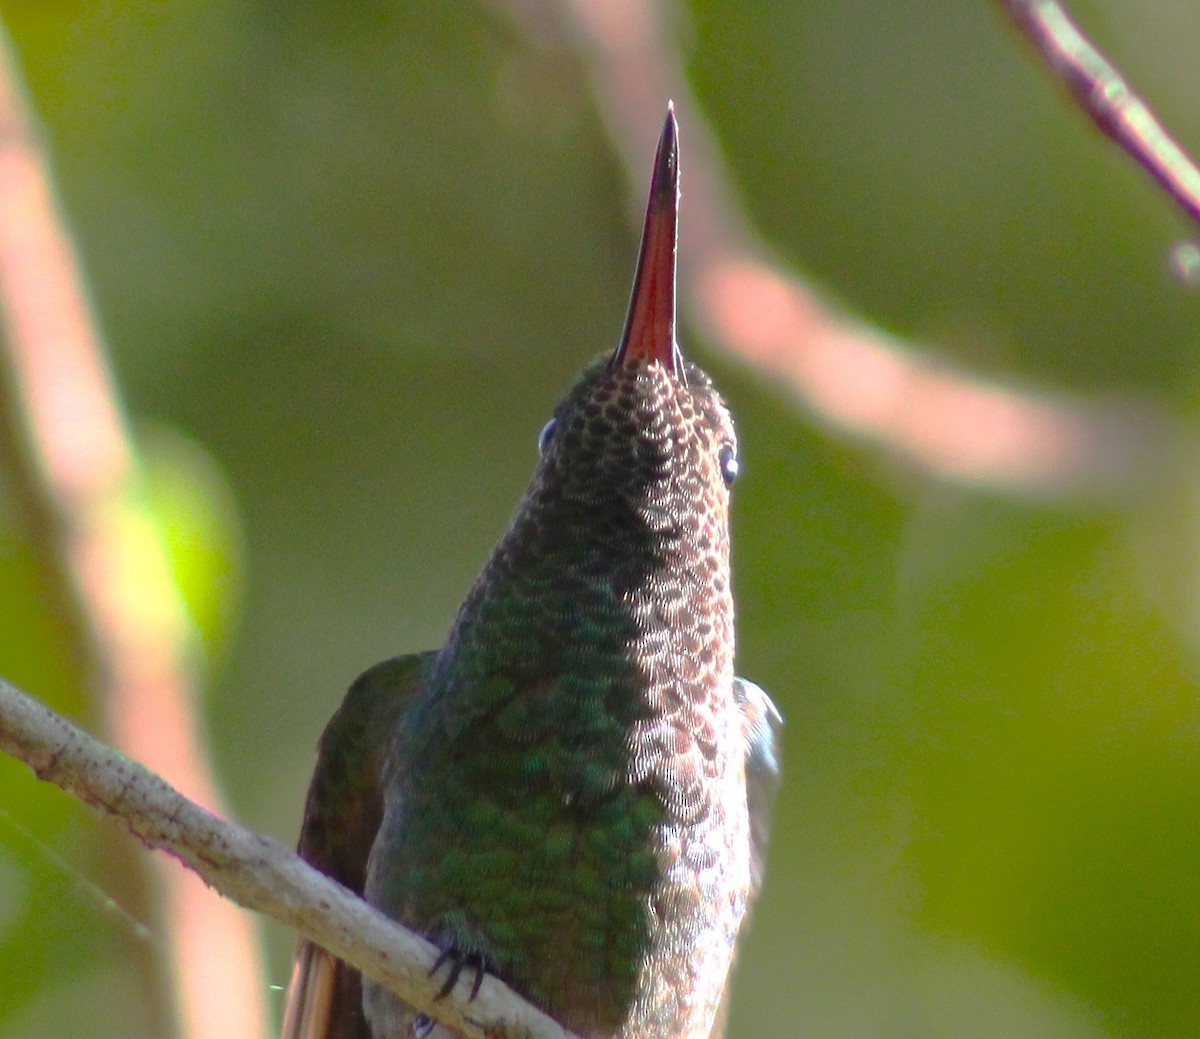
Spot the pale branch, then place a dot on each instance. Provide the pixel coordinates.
(72, 470)
(1104, 94)
(257, 872)
(896, 396)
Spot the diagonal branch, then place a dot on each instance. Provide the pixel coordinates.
(257, 872)
(1107, 98)
(858, 381)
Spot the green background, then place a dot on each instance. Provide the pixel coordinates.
(345, 264)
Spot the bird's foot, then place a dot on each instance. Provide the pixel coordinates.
(462, 948)
(456, 960)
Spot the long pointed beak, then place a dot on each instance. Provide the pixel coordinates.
(650, 323)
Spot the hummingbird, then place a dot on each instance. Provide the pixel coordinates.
(573, 793)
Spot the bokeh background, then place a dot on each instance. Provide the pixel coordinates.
(347, 257)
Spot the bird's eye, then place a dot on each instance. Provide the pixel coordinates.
(729, 464)
(546, 434)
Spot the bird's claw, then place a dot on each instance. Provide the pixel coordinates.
(459, 961)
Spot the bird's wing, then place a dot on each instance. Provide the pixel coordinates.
(760, 725)
(341, 817)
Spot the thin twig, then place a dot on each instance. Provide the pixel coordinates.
(1104, 94)
(927, 413)
(65, 447)
(257, 872)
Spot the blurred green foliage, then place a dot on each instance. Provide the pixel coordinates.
(350, 260)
